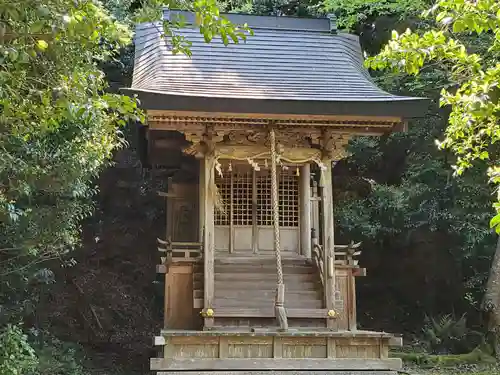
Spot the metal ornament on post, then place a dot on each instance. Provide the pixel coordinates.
(279, 304)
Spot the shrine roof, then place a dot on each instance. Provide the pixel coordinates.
(289, 66)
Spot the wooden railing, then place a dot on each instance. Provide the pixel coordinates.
(344, 256)
(318, 258)
(178, 252)
(343, 269)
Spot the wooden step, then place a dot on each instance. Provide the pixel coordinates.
(290, 287)
(262, 261)
(306, 301)
(267, 285)
(257, 303)
(259, 258)
(263, 277)
(246, 286)
(263, 280)
(266, 305)
(268, 312)
(290, 298)
(254, 285)
(265, 269)
(266, 293)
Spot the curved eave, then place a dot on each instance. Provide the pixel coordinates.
(397, 107)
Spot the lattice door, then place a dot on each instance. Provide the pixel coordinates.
(245, 222)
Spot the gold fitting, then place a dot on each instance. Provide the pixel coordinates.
(208, 313)
(332, 314)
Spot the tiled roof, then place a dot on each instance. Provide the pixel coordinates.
(287, 59)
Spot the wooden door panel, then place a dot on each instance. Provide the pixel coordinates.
(243, 239)
(289, 239)
(222, 234)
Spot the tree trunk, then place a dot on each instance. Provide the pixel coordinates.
(491, 302)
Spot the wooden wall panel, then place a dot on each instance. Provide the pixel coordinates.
(249, 347)
(179, 312)
(311, 347)
(251, 350)
(342, 291)
(342, 351)
(182, 213)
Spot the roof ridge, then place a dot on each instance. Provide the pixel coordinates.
(311, 24)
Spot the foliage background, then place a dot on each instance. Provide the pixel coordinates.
(426, 241)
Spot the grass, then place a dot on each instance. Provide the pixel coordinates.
(460, 370)
(475, 363)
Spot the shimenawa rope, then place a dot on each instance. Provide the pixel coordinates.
(279, 307)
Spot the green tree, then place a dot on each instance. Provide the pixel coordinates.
(396, 193)
(373, 20)
(353, 13)
(472, 94)
(299, 8)
(60, 125)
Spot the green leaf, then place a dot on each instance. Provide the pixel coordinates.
(459, 26)
(207, 35)
(224, 38)
(42, 44)
(440, 16)
(495, 221)
(484, 155)
(13, 54)
(37, 26)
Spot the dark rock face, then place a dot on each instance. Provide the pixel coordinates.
(111, 300)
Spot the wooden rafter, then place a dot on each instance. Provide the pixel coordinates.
(186, 122)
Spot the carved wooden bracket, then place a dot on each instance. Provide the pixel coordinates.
(209, 139)
(333, 144)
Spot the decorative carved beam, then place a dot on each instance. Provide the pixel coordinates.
(333, 144)
(207, 138)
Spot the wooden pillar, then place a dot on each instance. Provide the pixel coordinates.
(231, 213)
(209, 243)
(255, 230)
(328, 239)
(201, 198)
(315, 207)
(305, 210)
(351, 306)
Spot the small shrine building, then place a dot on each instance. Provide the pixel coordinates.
(253, 277)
